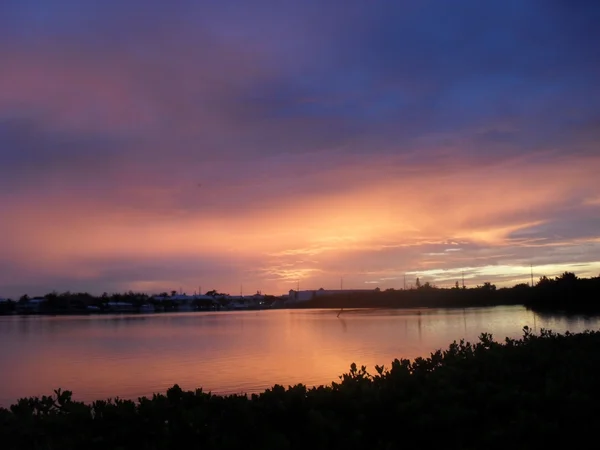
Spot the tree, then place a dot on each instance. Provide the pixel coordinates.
(54, 299)
(567, 277)
(215, 293)
(418, 283)
(487, 286)
(24, 298)
(52, 296)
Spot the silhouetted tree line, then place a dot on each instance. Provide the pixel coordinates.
(74, 302)
(7, 307)
(538, 392)
(80, 302)
(565, 292)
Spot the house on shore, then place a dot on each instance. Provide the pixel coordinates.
(204, 302)
(31, 305)
(120, 307)
(184, 302)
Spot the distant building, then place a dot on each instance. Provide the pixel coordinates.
(120, 306)
(302, 296)
(32, 305)
(205, 298)
(240, 302)
(184, 302)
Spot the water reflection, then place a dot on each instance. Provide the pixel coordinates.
(344, 324)
(225, 352)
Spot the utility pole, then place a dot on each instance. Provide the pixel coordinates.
(341, 283)
(531, 268)
(404, 281)
(463, 279)
(298, 286)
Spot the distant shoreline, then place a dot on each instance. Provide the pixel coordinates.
(565, 293)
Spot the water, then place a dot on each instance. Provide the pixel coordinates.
(128, 356)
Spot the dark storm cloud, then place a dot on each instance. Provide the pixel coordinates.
(440, 65)
(30, 150)
(331, 74)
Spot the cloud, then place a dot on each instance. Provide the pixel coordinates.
(309, 140)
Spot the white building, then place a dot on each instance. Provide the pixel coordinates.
(302, 296)
(120, 306)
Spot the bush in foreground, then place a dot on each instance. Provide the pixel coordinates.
(540, 391)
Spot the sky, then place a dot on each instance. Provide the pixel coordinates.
(151, 145)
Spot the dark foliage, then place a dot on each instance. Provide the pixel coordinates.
(536, 392)
(7, 307)
(84, 303)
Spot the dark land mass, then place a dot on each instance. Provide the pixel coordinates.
(566, 293)
(77, 303)
(537, 392)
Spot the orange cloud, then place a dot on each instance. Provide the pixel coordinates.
(382, 210)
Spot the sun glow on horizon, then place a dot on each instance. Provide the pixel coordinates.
(378, 226)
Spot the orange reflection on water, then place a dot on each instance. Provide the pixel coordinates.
(130, 356)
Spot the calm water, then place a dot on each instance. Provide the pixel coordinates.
(133, 355)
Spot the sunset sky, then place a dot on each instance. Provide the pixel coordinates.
(152, 145)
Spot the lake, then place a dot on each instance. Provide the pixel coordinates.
(101, 356)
